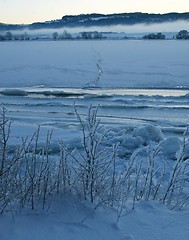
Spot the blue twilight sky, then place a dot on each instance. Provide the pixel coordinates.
(28, 11)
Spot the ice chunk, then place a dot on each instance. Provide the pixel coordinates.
(148, 133)
(14, 92)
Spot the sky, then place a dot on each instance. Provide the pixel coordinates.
(28, 11)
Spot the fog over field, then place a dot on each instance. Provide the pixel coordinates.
(166, 27)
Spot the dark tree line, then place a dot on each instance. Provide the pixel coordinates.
(183, 34)
(8, 36)
(154, 36)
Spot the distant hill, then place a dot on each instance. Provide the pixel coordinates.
(89, 20)
(9, 27)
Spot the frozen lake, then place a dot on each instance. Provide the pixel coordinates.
(135, 64)
(134, 83)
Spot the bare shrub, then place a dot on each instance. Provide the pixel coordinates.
(31, 176)
(92, 163)
(36, 172)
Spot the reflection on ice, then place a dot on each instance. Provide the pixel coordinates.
(53, 108)
(98, 92)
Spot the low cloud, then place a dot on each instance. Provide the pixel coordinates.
(128, 29)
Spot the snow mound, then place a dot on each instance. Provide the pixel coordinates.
(170, 146)
(148, 133)
(132, 143)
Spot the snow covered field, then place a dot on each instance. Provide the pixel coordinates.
(135, 64)
(142, 90)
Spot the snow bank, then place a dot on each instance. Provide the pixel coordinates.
(148, 133)
(70, 220)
